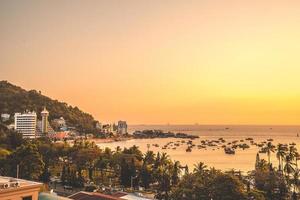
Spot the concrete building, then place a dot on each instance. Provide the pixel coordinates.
(18, 189)
(59, 124)
(5, 117)
(122, 127)
(45, 122)
(25, 123)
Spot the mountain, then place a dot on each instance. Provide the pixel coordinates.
(15, 99)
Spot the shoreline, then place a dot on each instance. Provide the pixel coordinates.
(108, 140)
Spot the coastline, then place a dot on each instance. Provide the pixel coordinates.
(108, 140)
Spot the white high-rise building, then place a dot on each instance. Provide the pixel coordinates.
(25, 123)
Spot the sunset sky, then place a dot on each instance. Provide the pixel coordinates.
(157, 62)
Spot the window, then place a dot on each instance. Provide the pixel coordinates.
(27, 198)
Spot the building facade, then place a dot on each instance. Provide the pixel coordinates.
(122, 127)
(18, 189)
(25, 123)
(5, 117)
(60, 124)
(45, 123)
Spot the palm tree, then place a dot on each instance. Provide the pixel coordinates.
(176, 169)
(280, 155)
(118, 149)
(288, 168)
(164, 159)
(200, 168)
(257, 161)
(297, 157)
(149, 157)
(295, 180)
(292, 152)
(270, 148)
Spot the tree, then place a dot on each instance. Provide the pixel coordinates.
(164, 183)
(145, 175)
(63, 175)
(102, 164)
(288, 167)
(270, 181)
(175, 172)
(295, 180)
(125, 174)
(270, 148)
(227, 187)
(211, 184)
(200, 168)
(281, 152)
(29, 160)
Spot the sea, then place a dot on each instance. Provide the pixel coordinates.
(242, 160)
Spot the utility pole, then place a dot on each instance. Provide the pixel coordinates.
(17, 171)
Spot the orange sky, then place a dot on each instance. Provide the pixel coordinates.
(155, 62)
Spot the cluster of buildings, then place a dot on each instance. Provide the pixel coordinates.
(29, 126)
(20, 189)
(120, 128)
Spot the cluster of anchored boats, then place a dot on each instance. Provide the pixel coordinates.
(229, 147)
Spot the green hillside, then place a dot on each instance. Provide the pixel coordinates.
(15, 99)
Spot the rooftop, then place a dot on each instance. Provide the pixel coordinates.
(8, 184)
(92, 196)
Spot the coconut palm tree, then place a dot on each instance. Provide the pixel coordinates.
(176, 169)
(288, 167)
(270, 148)
(200, 168)
(280, 155)
(164, 159)
(295, 180)
(297, 157)
(292, 152)
(149, 157)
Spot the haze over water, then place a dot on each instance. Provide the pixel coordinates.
(243, 160)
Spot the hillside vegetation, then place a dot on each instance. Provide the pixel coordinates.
(15, 99)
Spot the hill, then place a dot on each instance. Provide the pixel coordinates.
(15, 99)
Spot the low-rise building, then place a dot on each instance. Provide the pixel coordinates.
(62, 135)
(59, 123)
(5, 117)
(18, 189)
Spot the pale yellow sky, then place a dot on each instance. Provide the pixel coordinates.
(154, 62)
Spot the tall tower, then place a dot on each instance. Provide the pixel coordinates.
(45, 115)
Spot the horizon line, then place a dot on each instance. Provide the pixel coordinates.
(179, 124)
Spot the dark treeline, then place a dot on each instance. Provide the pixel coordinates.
(84, 163)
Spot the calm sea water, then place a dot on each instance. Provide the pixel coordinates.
(243, 160)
